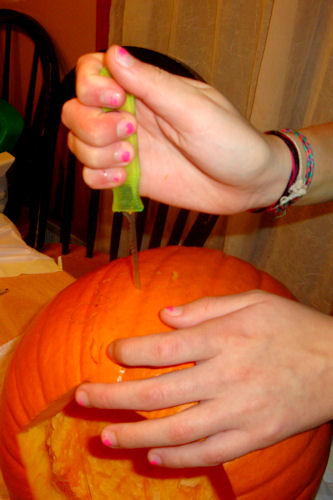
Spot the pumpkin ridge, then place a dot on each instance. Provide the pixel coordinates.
(39, 355)
(286, 466)
(87, 326)
(28, 391)
(312, 484)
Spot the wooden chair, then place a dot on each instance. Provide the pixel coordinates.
(29, 79)
(153, 224)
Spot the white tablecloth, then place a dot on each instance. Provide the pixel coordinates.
(16, 257)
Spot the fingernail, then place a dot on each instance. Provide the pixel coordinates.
(109, 175)
(154, 459)
(109, 439)
(124, 58)
(110, 98)
(122, 156)
(174, 311)
(125, 128)
(82, 398)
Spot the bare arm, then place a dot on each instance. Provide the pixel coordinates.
(321, 140)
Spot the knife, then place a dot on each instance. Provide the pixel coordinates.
(126, 198)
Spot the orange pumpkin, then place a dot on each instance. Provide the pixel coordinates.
(50, 448)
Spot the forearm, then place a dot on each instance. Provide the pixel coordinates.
(321, 139)
(279, 165)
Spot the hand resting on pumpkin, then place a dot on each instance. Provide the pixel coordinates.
(263, 372)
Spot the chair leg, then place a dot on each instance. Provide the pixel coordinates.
(92, 221)
(67, 215)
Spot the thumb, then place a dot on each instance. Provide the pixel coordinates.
(161, 91)
(207, 308)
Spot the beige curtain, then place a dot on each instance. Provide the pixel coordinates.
(274, 60)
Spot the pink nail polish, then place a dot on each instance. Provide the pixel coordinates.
(155, 460)
(107, 442)
(110, 98)
(122, 51)
(129, 128)
(116, 178)
(125, 157)
(114, 101)
(174, 311)
(82, 399)
(124, 58)
(125, 128)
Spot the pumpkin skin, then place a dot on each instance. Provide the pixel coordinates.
(66, 344)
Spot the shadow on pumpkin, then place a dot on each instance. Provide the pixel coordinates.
(98, 418)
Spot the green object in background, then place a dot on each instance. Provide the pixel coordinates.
(11, 126)
(126, 197)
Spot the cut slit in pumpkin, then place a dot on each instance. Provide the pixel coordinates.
(64, 456)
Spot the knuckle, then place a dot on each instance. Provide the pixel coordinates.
(206, 303)
(82, 87)
(159, 75)
(271, 433)
(153, 397)
(166, 348)
(212, 456)
(65, 111)
(180, 433)
(101, 398)
(95, 131)
(83, 59)
(92, 158)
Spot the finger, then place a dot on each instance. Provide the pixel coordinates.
(171, 389)
(208, 308)
(116, 154)
(92, 89)
(169, 348)
(187, 426)
(170, 95)
(95, 127)
(214, 450)
(104, 178)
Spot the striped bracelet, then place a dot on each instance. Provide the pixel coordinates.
(299, 181)
(309, 155)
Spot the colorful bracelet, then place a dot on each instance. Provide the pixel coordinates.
(295, 160)
(309, 155)
(298, 183)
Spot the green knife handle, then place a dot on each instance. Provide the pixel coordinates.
(126, 197)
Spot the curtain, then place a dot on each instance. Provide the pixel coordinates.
(273, 59)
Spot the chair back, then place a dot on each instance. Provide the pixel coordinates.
(151, 222)
(29, 79)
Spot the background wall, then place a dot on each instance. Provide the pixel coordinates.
(70, 23)
(274, 60)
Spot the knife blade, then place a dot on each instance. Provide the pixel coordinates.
(126, 198)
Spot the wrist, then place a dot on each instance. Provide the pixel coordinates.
(324, 376)
(276, 171)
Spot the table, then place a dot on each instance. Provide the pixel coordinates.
(26, 294)
(23, 295)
